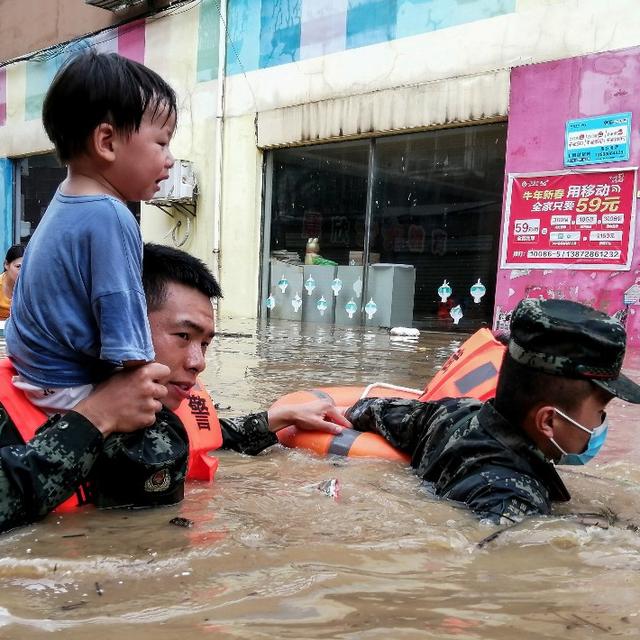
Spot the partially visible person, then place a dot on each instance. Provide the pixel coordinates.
(8, 278)
(78, 311)
(179, 290)
(38, 476)
(148, 467)
(561, 369)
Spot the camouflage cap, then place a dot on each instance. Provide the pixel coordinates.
(142, 469)
(570, 339)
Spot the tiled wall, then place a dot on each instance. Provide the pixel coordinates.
(128, 40)
(265, 33)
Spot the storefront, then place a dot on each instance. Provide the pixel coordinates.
(569, 222)
(420, 209)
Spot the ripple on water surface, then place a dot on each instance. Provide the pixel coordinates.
(271, 556)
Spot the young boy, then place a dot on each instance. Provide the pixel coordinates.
(79, 311)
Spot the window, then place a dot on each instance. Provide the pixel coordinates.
(37, 178)
(320, 192)
(437, 206)
(429, 200)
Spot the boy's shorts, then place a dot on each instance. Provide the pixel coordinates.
(52, 401)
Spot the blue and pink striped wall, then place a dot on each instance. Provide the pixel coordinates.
(266, 33)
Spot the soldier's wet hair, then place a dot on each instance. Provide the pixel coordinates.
(520, 388)
(162, 265)
(94, 88)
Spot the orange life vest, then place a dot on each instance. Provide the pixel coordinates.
(197, 414)
(471, 372)
(200, 418)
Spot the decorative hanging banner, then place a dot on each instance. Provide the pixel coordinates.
(370, 308)
(456, 314)
(357, 287)
(570, 220)
(310, 285)
(322, 305)
(283, 283)
(477, 291)
(444, 291)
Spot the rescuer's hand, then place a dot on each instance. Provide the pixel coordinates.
(319, 415)
(128, 400)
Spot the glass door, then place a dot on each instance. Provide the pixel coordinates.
(316, 232)
(437, 202)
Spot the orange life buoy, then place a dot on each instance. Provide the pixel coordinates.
(349, 442)
(472, 371)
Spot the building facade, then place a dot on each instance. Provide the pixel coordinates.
(396, 132)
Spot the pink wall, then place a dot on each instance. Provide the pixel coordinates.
(131, 40)
(543, 97)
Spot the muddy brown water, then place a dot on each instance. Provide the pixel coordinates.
(271, 556)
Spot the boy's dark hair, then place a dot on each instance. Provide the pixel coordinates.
(162, 265)
(14, 252)
(521, 388)
(92, 88)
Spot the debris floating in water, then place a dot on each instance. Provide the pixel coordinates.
(330, 487)
(408, 332)
(73, 605)
(181, 522)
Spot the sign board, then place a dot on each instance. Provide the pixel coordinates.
(632, 295)
(570, 220)
(597, 140)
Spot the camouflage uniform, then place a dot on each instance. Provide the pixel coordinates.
(36, 477)
(247, 434)
(468, 452)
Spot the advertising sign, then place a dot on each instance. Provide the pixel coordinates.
(597, 140)
(567, 220)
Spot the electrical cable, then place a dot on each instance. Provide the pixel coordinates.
(231, 45)
(187, 234)
(174, 232)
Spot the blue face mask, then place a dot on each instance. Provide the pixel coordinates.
(596, 440)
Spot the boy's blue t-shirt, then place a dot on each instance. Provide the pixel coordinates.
(78, 309)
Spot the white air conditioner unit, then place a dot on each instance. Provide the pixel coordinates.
(114, 5)
(179, 187)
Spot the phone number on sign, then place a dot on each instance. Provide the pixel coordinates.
(603, 254)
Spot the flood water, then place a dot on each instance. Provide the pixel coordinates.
(271, 556)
